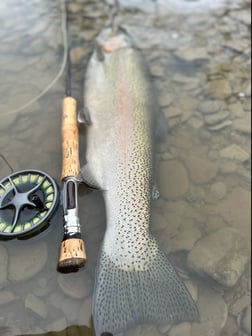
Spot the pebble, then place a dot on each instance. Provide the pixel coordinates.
(236, 109)
(239, 305)
(85, 312)
(246, 321)
(185, 240)
(76, 285)
(214, 223)
(221, 255)
(234, 152)
(216, 192)
(143, 331)
(235, 209)
(243, 125)
(173, 179)
(210, 106)
(201, 170)
(3, 264)
(159, 222)
(37, 305)
(172, 111)
(195, 122)
(57, 325)
(220, 126)
(219, 89)
(173, 221)
(228, 167)
(192, 53)
(213, 119)
(182, 329)
(70, 308)
(213, 314)
(6, 296)
(26, 261)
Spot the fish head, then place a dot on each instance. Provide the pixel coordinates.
(110, 41)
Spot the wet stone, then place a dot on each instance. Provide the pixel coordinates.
(36, 305)
(243, 125)
(85, 312)
(222, 255)
(172, 111)
(220, 126)
(214, 119)
(70, 308)
(193, 53)
(234, 152)
(211, 106)
(219, 89)
(185, 240)
(216, 192)
(214, 223)
(3, 264)
(201, 170)
(236, 109)
(57, 325)
(6, 297)
(213, 314)
(182, 329)
(26, 261)
(77, 286)
(238, 198)
(246, 321)
(174, 180)
(240, 304)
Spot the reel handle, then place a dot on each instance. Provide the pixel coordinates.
(72, 254)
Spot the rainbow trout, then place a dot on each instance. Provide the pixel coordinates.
(135, 283)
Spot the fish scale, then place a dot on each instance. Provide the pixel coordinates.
(135, 282)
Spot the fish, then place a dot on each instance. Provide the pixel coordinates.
(135, 283)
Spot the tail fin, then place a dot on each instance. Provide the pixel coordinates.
(125, 298)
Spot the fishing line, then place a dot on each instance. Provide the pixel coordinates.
(63, 64)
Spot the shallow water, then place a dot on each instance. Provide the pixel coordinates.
(199, 57)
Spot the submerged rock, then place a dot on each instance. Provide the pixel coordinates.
(26, 261)
(246, 321)
(182, 329)
(213, 314)
(211, 106)
(3, 264)
(222, 255)
(213, 119)
(235, 208)
(234, 152)
(201, 170)
(173, 180)
(77, 286)
(219, 89)
(36, 305)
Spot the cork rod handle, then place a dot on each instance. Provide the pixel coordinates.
(70, 139)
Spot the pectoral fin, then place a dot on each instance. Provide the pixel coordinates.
(87, 177)
(84, 116)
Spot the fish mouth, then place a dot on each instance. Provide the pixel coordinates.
(109, 40)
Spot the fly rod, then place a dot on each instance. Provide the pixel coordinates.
(72, 254)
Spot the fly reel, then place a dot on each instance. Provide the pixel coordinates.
(28, 199)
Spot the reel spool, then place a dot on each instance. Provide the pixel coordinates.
(28, 199)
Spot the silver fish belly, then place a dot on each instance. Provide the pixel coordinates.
(135, 282)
